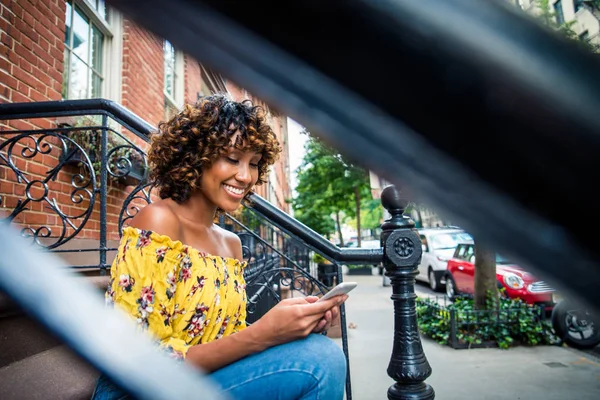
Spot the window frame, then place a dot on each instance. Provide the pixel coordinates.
(177, 98)
(111, 49)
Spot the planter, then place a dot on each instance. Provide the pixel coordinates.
(363, 270)
(327, 273)
(135, 175)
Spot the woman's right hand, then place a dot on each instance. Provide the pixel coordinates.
(293, 319)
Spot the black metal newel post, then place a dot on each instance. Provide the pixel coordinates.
(402, 248)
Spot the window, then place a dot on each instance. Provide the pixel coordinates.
(173, 83)
(577, 4)
(460, 251)
(85, 38)
(470, 254)
(558, 10)
(584, 36)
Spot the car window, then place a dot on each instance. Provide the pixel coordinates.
(460, 251)
(470, 253)
(424, 242)
(448, 240)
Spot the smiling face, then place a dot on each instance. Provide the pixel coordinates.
(225, 183)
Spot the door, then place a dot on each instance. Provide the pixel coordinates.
(465, 271)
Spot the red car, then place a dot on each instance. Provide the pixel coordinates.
(518, 283)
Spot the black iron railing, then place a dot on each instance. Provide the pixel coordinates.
(64, 185)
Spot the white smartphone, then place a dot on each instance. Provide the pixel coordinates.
(342, 288)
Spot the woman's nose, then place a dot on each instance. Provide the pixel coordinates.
(243, 174)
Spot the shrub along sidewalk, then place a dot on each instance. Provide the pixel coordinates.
(460, 326)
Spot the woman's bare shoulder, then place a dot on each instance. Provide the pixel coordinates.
(234, 244)
(158, 217)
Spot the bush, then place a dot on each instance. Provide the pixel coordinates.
(461, 326)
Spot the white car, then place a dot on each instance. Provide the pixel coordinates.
(438, 248)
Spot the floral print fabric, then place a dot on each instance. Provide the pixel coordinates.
(182, 296)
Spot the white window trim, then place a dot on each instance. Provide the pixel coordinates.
(113, 58)
(112, 48)
(179, 87)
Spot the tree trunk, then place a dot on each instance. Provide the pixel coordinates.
(339, 228)
(486, 286)
(357, 199)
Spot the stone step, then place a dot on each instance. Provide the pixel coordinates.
(56, 373)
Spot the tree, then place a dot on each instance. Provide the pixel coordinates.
(328, 185)
(486, 288)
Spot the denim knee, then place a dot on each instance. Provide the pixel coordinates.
(329, 358)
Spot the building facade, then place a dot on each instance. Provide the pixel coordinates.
(81, 49)
(584, 15)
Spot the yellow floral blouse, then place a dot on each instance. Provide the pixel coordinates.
(182, 296)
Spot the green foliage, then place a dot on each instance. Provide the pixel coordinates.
(319, 259)
(371, 214)
(327, 183)
(548, 17)
(90, 142)
(511, 323)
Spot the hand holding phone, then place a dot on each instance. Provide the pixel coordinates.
(340, 289)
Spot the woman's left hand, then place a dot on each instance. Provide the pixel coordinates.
(330, 316)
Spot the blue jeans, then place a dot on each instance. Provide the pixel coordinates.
(313, 368)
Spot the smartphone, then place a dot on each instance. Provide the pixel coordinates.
(342, 288)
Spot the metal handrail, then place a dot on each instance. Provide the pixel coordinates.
(43, 109)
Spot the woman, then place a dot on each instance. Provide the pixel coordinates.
(179, 275)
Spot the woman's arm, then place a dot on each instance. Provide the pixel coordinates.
(289, 320)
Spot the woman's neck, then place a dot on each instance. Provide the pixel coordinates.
(197, 209)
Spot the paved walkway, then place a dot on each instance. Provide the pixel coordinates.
(542, 372)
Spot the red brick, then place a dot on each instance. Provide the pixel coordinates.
(45, 33)
(23, 76)
(36, 96)
(57, 55)
(7, 40)
(8, 14)
(19, 98)
(25, 65)
(35, 218)
(8, 80)
(53, 94)
(58, 32)
(5, 65)
(26, 30)
(28, 19)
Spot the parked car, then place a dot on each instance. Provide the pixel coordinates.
(438, 246)
(516, 282)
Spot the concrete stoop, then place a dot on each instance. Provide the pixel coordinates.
(56, 373)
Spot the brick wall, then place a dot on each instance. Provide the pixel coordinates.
(31, 50)
(31, 69)
(143, 73)
(193, 80)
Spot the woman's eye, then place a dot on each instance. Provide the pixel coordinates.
(232, 160)
(254, 165)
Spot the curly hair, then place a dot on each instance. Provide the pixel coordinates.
(196, 137)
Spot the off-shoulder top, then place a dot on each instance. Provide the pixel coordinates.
(182, 296)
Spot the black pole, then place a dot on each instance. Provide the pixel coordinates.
(402, 248)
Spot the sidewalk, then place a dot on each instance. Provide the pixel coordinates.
(542, 372)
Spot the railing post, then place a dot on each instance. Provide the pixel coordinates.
(402, 249)
(104, 165)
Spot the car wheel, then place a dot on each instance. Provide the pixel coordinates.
(576, 326)
(434, 283)
(451, 290)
